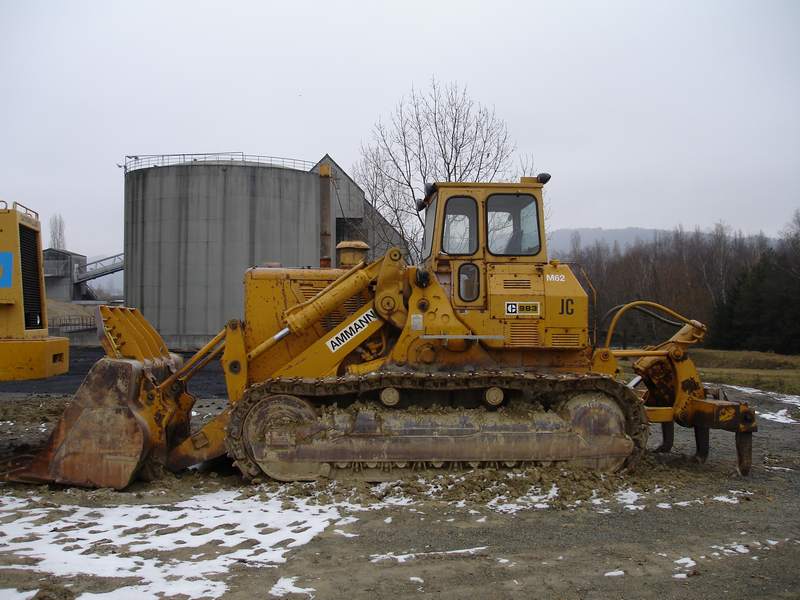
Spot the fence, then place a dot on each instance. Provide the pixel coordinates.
(72, 323)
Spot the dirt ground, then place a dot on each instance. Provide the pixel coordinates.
(672, 529)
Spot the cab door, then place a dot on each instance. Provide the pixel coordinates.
(460, 263)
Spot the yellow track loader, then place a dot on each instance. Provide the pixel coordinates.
(482, 355)
(27, 351)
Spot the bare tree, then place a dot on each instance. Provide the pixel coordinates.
(440, 134)
(57, 236)
(575, 245)
(790, 241)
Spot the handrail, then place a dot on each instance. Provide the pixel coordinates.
(27, 211)
(5, 204)
(110, 263)
(145, 161)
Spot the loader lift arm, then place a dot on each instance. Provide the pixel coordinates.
(385, 273)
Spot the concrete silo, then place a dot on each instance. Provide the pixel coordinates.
(195, 223)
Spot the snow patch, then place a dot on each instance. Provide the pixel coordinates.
(629, 498)
(535, 498)
(401, 558)
(13, 593)
(781, 416)
(686, 562)
(285, 585)
(345, 533)
(732, 549)
(726, 499)
(113, 541)
(685, 503)
(783, 398)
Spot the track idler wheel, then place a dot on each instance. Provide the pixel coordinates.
(260, 429)
(600, 421)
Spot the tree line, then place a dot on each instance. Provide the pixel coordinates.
(746, 288)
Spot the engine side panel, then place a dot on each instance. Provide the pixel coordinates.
(268, 292)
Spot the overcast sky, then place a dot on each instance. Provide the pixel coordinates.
(647, 114)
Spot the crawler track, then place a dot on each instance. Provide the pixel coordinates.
(302, 429)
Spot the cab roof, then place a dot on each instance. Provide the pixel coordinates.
(524, 182)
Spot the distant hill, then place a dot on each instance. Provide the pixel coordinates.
(560, 240)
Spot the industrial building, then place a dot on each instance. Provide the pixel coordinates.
(195, 222)
(66, 274)
(60, 267)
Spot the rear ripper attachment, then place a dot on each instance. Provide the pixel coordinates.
(670, 387)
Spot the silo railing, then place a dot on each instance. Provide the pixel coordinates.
(146, 161)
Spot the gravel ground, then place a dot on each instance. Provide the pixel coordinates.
(673, 529)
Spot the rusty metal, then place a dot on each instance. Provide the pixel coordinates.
(667, 437)
(701, 440)
(119, 419)
(106, 433)
(744, 452)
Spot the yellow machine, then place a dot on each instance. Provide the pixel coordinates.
(482, 355)
(26, 349)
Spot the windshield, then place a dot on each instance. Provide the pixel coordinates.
(430, 223)
(513, 224)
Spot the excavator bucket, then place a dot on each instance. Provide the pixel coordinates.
(118, 418)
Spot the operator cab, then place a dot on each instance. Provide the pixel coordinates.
(464, 219)
(485, 245)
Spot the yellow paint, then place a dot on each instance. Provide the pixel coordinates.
(659, 414)
(33, 359)
(452, 312)
(26, 352)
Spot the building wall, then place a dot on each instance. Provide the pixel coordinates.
(59, 267)
(356, 219)
(59, 288)
(347, 199)
(191, 231)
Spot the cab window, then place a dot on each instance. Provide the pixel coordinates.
(460, 235)
(430, 223)
(469, 282)
(512, 225)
